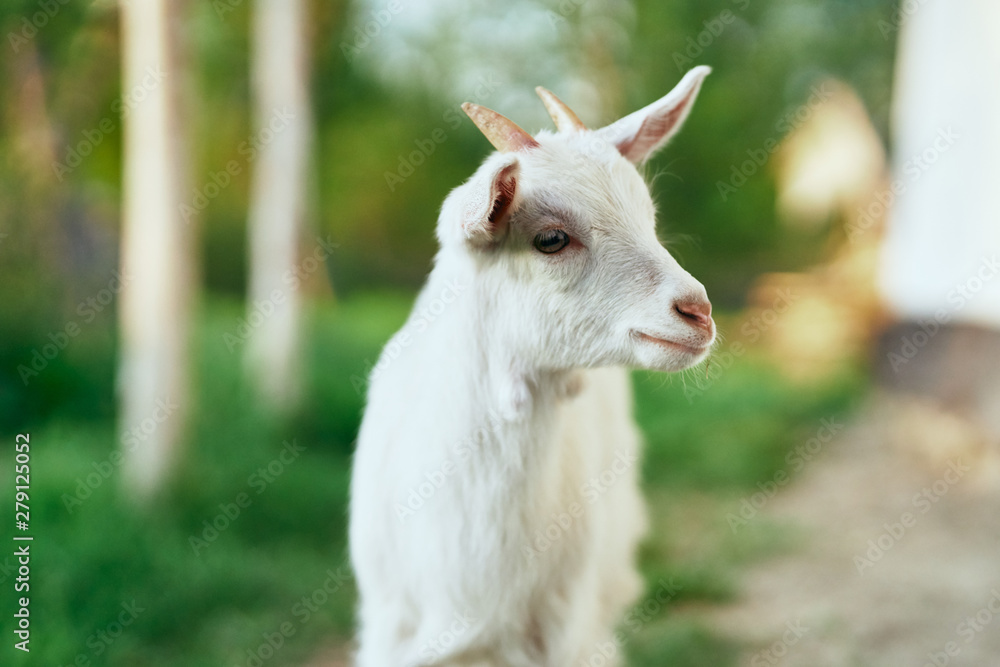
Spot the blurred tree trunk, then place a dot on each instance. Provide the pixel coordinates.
(939, 268)
(280, 76)
(156, 250)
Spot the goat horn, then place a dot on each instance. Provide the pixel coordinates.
(502, 132)
(563, 116)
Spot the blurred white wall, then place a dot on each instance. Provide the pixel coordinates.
(943, 241)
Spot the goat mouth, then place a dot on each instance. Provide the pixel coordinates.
(670, 344)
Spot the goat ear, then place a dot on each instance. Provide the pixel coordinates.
(491, 198)
(642, 133)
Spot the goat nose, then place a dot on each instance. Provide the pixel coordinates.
(697, 313)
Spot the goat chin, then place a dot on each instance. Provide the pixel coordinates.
(495, 505)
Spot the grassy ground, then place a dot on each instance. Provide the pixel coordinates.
(113, 586)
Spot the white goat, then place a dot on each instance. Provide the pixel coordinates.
(495, 510)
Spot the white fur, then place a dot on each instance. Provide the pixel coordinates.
(478, 533)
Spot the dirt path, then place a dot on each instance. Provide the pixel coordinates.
(901, 557)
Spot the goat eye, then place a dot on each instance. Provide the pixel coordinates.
(551, 241)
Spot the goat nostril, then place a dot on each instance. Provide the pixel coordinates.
(698, 313)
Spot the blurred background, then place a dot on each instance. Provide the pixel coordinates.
(214, 213)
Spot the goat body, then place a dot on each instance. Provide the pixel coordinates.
(495, 510)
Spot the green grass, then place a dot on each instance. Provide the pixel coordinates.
(219, 606)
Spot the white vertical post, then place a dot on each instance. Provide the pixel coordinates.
(279, 184)
(156, 264)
